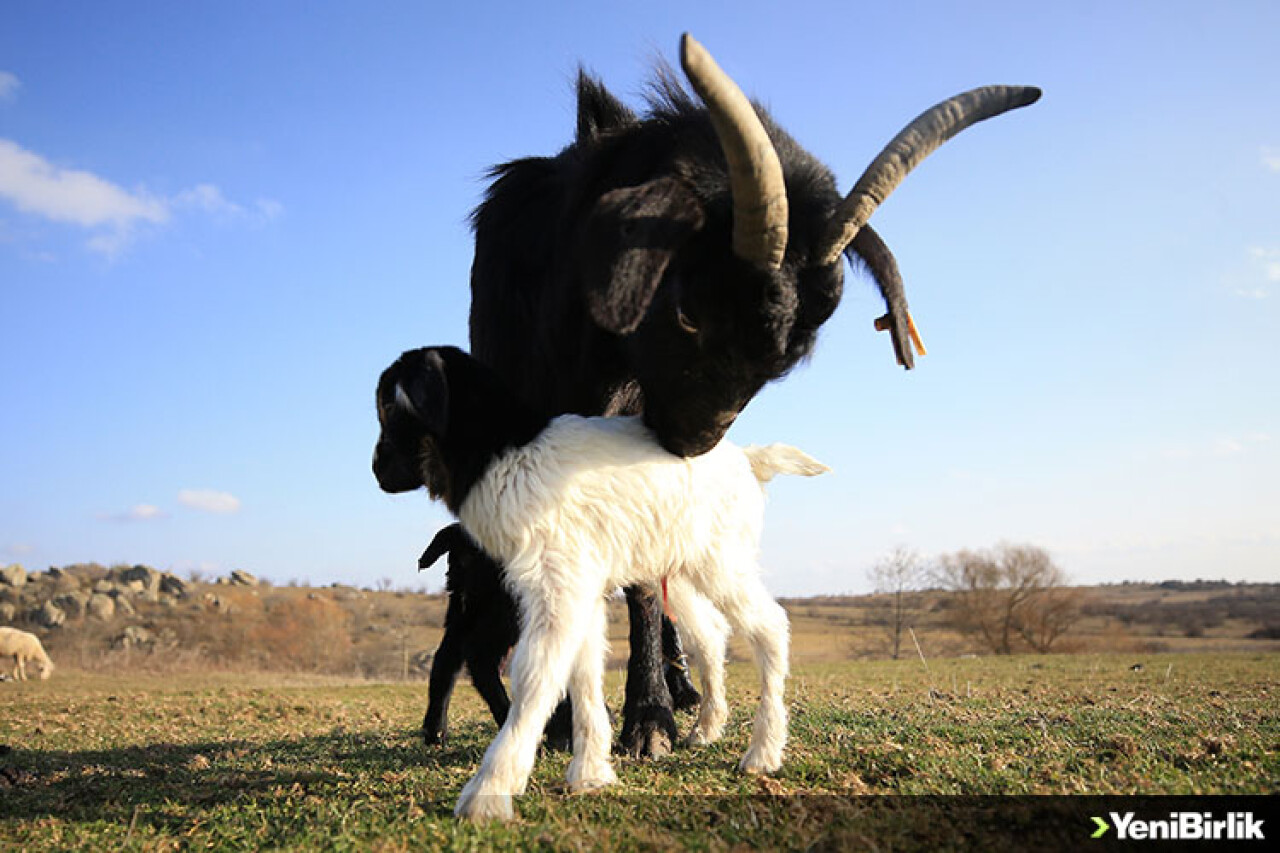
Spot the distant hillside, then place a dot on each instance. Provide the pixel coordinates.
(137, 618)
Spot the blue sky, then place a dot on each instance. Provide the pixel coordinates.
(220, 221)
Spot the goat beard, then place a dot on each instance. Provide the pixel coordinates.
(435, 474)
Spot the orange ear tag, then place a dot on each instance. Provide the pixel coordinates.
(883, 325)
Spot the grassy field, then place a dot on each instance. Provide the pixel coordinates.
(215, 762)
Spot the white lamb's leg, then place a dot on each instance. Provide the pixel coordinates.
(20, 667)
(743, 598)
(590, 767)
(549, 642)
(705, 634)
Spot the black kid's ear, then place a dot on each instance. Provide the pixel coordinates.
(422, 390)
(445, 541)
(628, 240)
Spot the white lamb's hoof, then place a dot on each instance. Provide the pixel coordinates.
(481, 807)
(585, 781)
(756, 762)
(698, 737)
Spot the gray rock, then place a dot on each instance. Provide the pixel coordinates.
(49, 615)
(101, 607)
(139, 578)
(134, 636)
(13, 575)
(243, 578)
(73, 603)
(173, 585)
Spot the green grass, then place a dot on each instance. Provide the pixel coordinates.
(212, 762)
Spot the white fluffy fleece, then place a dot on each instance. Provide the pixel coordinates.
(595, 503)
(24, 648)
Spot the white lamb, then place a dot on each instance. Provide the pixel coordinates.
(573, 508)
(24, 647)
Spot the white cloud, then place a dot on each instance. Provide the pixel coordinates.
(208, 500)
(1264, 272)
(1271, 158)
(36, 186)
(1224, 445)
(139, 512)
(76, 197)
(9, 85)
(1228, 446)
(207, 198)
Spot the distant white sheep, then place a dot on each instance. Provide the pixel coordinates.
(24, 647)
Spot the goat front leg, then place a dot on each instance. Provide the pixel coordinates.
(590, 768)
(548, 646)
(648, 724)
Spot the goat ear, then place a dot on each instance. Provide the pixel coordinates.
(598, 110)
(445, 541)
(423, 390)
(628, 240)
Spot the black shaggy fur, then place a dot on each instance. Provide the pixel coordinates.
(604, 283)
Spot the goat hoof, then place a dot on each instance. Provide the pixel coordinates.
(686, 700)
(599, 777)
(483, 807)
(651, 734)
(701, 737)
(647, 741)
(756, 763)
(433, 738)
(684, 696)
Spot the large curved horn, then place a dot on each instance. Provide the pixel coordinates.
(755, 175)
(915, 142)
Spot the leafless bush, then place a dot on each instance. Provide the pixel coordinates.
(1010, 597)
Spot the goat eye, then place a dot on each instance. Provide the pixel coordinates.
(685, 323)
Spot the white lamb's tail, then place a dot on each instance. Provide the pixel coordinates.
(773, 459)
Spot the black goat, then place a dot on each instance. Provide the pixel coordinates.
(671, 265)
(481, 625)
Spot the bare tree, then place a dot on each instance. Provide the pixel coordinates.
(900, 575)
(1054, 612)
(1009, 594)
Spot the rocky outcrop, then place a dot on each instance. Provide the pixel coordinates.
(14, 576)
(239, 577)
